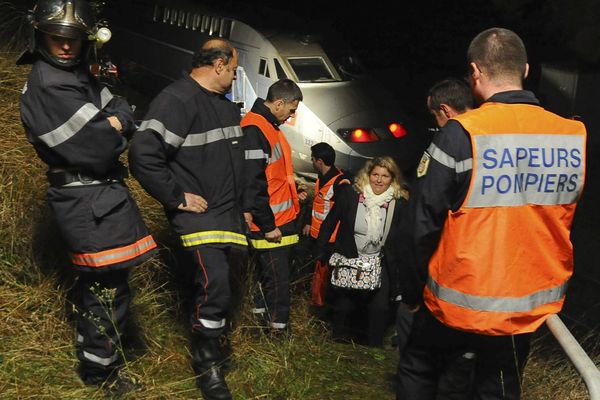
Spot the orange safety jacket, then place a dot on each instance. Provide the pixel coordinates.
(504, 257)
(281, 185)
(322, 204)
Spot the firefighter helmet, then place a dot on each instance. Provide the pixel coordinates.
(72, 19)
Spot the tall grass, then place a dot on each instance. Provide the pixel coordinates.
(37, 358)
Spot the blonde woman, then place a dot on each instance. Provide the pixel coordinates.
(362, 211)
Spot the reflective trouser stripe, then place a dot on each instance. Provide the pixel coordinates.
(113, 256)
(106, 361)
(207, 323)
(207, 237)
(497, 304)
(259, 310)
(278, 325)
(264, 244)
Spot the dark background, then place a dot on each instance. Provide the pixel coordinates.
(410, 45)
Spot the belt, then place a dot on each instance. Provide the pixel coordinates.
(64, 178)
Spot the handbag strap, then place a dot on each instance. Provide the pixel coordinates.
(388, 219)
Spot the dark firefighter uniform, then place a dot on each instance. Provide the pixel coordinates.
(190, 141)
(271, 197)
(492, 211)
(64, 113)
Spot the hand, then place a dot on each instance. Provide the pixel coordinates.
(193, 203)
(302, 195)
(115, 123)
(248, 219)
(273, 236)
(306, 230)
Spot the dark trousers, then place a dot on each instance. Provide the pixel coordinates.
(103, 304)
(351, 306)
(211, 292)
(272, 298)
(443, 363)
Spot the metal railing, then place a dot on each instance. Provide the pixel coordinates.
(582, 362)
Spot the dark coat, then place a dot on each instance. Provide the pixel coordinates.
(344, 212)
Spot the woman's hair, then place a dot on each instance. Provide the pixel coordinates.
(362, 178)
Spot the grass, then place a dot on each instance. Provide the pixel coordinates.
(37, 358)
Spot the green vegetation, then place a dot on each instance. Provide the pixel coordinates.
(37, 357)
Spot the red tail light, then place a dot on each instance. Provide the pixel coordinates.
(359, 135)
(397, 130)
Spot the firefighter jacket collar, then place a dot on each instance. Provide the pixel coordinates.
(514, 96)
(260, 108)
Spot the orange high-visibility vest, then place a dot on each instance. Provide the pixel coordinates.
(505, 257)
(322, 204)
(281, 185)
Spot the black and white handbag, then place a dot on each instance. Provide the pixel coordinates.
(364, 271)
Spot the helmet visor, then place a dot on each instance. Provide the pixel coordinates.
(67, 31)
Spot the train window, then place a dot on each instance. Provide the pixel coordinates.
(205, 23)
(188, 20)
(263, 68)
(166, 12)
(225, 29)
(279, 69)
(197, 20)
(310, 69)
(156, 14)
(174, 14)
(181, 19)
(215, 26)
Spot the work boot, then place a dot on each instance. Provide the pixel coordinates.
(206, 360)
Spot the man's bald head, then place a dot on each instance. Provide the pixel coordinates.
(212, 50)
(499, 53)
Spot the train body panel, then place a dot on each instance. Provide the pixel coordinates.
(156, 47)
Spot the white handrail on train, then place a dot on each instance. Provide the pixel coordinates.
(582, 362)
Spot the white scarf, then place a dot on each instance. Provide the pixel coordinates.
(374, 202)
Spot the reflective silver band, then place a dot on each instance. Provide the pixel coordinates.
(261, 310)
(105, 361)
(277, 153)
(105, 97)
(318, 215)
(286, 205)
(278, 325)
(158, 127)
(71, 126)
(440, 156)
(193, 139)
(214, 135)
(255, 155)
(79, 183)
(207, 323)
(497, 304)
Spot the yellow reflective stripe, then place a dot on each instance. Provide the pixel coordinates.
(285, 241)
(207, 237)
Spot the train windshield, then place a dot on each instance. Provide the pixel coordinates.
(311, 69)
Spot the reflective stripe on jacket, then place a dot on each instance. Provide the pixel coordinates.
(322, 204)
(279, 172)
(504, 257)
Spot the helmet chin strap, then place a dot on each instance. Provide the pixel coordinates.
(58, 62)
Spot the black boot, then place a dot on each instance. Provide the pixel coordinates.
(207, 360)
